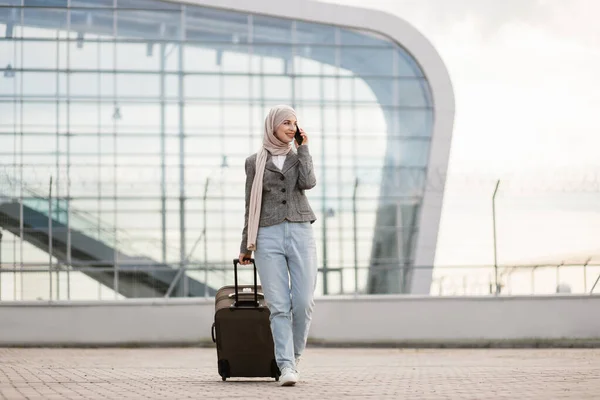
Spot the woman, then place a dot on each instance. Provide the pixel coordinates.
(278, 229)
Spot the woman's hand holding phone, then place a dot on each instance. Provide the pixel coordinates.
(300, 138)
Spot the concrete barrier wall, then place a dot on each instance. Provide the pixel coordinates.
(567, 320)
(120, 322)
(452, 321)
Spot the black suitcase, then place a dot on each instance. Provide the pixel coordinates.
(242, 331)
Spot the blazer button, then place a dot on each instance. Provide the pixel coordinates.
(284, 202)
(283, 190)
(282, 178)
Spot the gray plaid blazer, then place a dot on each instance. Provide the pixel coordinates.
(283, 195)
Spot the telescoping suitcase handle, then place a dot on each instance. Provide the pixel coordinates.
(235, 272)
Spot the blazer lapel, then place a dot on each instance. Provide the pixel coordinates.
(290, 161)
(269, 164)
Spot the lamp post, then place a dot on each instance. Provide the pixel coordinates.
(355, 234)
(0, 265)
(204, 236)
(496, 291)
(221, 171)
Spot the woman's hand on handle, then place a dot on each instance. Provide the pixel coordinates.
(243, 256)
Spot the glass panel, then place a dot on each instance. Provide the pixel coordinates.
(271, 30)
(364, 92)
(406, 64)
(172, 124)
(39, 116)
(236, 87)
(87, 55)
(278, 89)
(107, 87)
(172, 87)
(7, 117)
(149, 24)
(203, 118)
(137, 118)
(138, 145)
(107, 52)
(84, 85)
(200, 59)
(409, 122)
(138, 56)
(369, 119)
(273, 59)
(39, 21)
(100, 22)
(309, 60)
(39, 143)
(148, 4)
(39, 83)
(84, 144)
(210, 25)
(411, 180)
(45, 3)
(414, 93)
(9, 17)
(363, 38)
(128, 161)
(235, 59)
(8, 83)
(40, 55)
(407, 152)
(367, 61)
(309, 33)
(203, 87)
(308, 89)
(91, 117)
(92, 3)
(219, 58)
(393, 92)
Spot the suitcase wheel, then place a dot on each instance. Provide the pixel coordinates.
(224, 369)
(275, 373)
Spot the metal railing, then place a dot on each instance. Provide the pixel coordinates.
(446, 281)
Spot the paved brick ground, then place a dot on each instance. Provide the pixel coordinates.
(326, 374)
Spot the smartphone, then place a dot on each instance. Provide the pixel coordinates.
(298, 137)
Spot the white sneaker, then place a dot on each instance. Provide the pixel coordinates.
(288, 377)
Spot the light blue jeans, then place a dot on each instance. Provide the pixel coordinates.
(286, 259)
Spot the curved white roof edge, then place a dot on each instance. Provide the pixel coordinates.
(434, 70)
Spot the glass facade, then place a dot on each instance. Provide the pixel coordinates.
(134, 117)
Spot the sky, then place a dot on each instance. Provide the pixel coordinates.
(527, 94)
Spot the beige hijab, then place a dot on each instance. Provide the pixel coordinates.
(271, 144)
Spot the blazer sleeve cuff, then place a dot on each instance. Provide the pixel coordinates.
(303, 151)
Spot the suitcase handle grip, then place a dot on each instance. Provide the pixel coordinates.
(212, 333)
(235, 272)
(260, 295)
